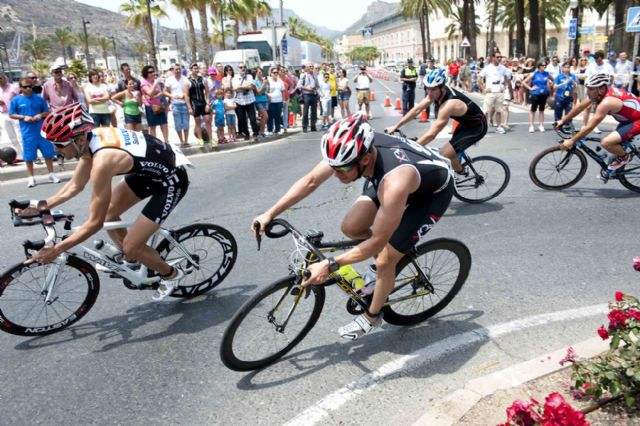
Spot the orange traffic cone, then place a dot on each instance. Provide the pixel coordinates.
(387, 101)
(423, 116)
(398, 106)
(372, 96)
(292, 119)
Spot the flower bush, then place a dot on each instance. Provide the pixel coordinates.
(555, 412)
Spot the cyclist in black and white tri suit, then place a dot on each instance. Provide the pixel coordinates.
(151, 169)
(411, 188)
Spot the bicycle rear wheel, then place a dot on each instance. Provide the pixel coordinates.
(23, 309)
(270, 324)
(212, 246)
(445, 265)
(488, 177)
(630, 176)
(554, 169)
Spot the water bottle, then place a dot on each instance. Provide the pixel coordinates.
(369, 279)
(113, 252)
(351, 276)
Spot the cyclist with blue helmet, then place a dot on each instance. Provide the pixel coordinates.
(452, 104)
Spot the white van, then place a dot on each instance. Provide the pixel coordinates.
(248, 57)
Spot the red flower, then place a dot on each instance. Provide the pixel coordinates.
(602, 332)
(617, 319)
(634, 314)
(569, 357)
(557, 412)
(636, 263)
(619, 296)
(522, 414)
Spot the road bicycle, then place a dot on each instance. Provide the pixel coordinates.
(281, 314)
(484, 178)
(554, 169)
(37, 299)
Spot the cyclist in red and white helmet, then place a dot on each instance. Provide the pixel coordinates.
(624, 107)
(151, 170)
(409, 188)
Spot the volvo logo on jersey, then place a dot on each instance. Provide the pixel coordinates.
(401, 155)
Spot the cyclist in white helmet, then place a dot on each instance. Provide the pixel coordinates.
(453, 104)
(619, 104)
(410, 189)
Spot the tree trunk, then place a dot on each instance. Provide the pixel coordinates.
(471, 24)
(422, 22)
(519, 9)
(492, 25)
(192, 34)
(619, 26)
(64, 54)
(511, 31)
(426, 53)
(152, 43)
(254, 23)
(533, 49)
(543, 28)
(577, 14)
(204, 33)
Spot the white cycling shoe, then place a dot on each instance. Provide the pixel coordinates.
(359, 327)
(169, 285)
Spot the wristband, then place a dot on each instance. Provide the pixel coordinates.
(33, 203)
(333, 265)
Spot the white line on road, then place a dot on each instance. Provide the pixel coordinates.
(338, 398)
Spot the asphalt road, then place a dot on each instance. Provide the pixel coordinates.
(544, 266)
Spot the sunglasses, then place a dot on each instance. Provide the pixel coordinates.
(65, 143)
(346, 168)
(27, 87)
(241, 68)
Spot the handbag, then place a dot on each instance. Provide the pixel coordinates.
(158, 109)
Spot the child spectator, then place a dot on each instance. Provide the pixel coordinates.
(230, 114)
(218, 110)
(325, 100)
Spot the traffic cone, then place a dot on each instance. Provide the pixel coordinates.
(292, 119)
(398, 106)
(423, 116)
(387, 101)
(372, 96)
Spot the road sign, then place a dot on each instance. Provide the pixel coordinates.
(633, 19)
(587, 30)
(573, 29)
(465, 43)
(283, 46)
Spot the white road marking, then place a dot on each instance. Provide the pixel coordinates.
(332, 402)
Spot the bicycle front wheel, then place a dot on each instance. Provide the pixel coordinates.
(630, 176)
(443, 265)
(211, 246)
(270, 324)
(554, 169)
(24, 310)
(488, 177)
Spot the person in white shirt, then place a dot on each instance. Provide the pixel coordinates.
(325, 100)
(174, 88)
(363, 84)
(493, 79)
(623, 70)
(553, 68)
(230, 114)
(599, 66)
(275, 87)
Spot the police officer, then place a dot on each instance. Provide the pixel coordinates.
(408, 76)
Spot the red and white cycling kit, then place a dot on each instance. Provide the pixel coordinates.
(629, 114)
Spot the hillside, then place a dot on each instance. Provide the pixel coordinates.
(375, 11)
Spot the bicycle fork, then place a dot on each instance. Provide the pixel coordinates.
(181, 249)
(52, 278)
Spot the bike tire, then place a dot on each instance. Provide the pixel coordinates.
(223, 253)
(629, 176)
(240, 356)
(446, 264)
(545, 174)
(476, 188)
(21, 295)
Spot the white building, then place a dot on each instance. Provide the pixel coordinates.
(167, 56)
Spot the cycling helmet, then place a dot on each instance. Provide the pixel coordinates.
(65, 123)
(347, 140)
(597, 80)
(435, 78)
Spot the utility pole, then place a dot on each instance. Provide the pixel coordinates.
(86, 42)
(115, 53)
(175, 35)
(281, 13)
(224, 47)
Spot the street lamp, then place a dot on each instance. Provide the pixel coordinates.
(115, 53)
(86, 42)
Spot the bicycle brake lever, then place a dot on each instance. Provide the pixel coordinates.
(256, 229)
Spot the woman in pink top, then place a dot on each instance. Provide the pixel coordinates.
(151, 88)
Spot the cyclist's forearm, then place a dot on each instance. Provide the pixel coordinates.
(411, 115)
(67, 192)
(82, 234)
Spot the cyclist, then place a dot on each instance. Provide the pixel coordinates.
(472, 123)
(150, 170)
(619, 104)
(410, 189)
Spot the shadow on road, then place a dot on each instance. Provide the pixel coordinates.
(614, 191)
(460, 208)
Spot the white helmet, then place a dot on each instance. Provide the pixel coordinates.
(347, 140)
(597, 80)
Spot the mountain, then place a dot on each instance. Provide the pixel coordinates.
(323, 32)
(375, 11)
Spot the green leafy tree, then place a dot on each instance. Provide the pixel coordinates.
(40, 67)
(364, 53)
(186, 7)
(457, 23)
(421, 10)
(78, 68)
(104, 44)
(63, 37)
(261, 10)
(140, 14)
(38, 49)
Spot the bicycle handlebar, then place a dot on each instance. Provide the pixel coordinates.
(288, 228)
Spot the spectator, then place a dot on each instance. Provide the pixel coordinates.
(518, 90)
(275, 91)
(245, 102)
(507, 94)
(309, 85)
(454, 70)
(262, 100)
(612, 60)
(131, 105)
(227, 80)
(294, 95)
(635, 79)
(230, 114)
(564, 85)
(493, 79)
(217, 109)
(334, 89)
(72, 78)
(538, 85)
(581, 74)
(175, 87)
(111, 89)
(125, 69)
(363, 83)
(155, 110)
(344, 93)
(219, 74)
(408, 76)
(8, 126)
(598, 66)
(58, 92)
(213, 82)
(325, 99)
(464, 75)
(97, 96)
(30, 109)
(554, 67)
(198, 104)
(623, 71)
(282, 75)
(37, 85)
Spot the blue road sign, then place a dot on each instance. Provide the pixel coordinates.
(283, 46)
(633, 19)
(573, 29)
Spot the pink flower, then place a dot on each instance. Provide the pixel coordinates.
(617, 319)
(602, 332)
(634, 314)
(619, 296)
(569, 357)
(557, 412)
(521, 413)
(636, 263)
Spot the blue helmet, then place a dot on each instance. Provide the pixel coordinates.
(435, 78)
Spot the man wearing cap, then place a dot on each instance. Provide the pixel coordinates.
(57, 91)
(408, 76)
(613, 59)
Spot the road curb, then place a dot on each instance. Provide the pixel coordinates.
(451, 408)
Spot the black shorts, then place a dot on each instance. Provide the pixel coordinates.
(165, 195)
(334, 101)
(466, 135)
(199, 110)
(538, 102)
(418, 218)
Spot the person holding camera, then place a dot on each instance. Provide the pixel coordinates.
(363, 89)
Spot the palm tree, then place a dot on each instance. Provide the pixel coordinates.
(139, 51)
(88, 40)
(294, 25)
(420, 9)
(241, 11)
(457, 23)
(261, 10)
(64, 37)
(104, 44)
(140, 13)
(533, 48)
(217, 36)
(201, 7)
(519, 17)
(38, 49)
(186, 6)
(493, 5)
